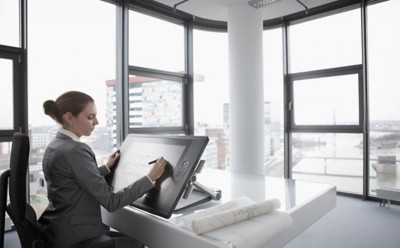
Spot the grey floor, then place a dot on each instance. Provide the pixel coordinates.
(352, 223)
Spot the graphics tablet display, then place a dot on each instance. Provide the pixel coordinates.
(182, 154)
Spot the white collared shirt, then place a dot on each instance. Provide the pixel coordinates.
(69, 134)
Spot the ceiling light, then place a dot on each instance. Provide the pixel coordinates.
(261, 3)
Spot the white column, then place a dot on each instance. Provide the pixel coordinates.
(245, 28)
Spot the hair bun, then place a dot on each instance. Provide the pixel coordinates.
(50, 108)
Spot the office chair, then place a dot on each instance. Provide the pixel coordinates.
(21, 213)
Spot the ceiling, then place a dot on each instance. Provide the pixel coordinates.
(218, 9)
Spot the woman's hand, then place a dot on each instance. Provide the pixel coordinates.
(112, 160)
(157, 170)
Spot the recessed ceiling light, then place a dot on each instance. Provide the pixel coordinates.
(261, 3)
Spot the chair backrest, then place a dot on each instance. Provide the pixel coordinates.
(20, 212)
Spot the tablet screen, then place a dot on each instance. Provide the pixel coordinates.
(182, 154)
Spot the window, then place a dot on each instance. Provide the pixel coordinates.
(273, 102)
(6, 93)
(157, 84)
(384, 88)
(65, 54)
(326, 42)
(5, 153)
(211, 95)
(12, 83)
(326, 101)
(12, 97)
(154, 102)
(9, 23)
(154, 43)
(333, 158)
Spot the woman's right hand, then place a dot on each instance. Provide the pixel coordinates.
(158, 169)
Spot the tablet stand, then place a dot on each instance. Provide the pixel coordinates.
(197, 193)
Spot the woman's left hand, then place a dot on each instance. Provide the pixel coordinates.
(112, 160)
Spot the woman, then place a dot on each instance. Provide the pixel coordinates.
(76, 186)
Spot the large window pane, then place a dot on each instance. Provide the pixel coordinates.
(326, 101)
(327, 42)
(5, 153)
(331, 158)
(9, 23)
(154, 43)
(325, 59)
(384, 88)
(154, 102)
(273, 106)
(71, 47)
(6, 94)
(211, 95)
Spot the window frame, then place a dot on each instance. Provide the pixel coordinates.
(177, 17)
(19, 86)
(341, 71)
(153, 73)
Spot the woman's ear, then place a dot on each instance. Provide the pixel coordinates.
(67, 117)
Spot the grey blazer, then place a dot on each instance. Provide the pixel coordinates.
(76, 188)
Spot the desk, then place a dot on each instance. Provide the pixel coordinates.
(306, 202)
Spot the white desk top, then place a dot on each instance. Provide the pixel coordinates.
(306, 202)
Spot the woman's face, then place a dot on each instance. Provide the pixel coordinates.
(84, 123)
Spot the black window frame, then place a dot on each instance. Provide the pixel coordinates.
(160, 10)
(19, 89)
(20, 85)
(340, 71)
(152, 73)
(186, 77)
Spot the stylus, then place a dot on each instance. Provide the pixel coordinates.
(152, 162)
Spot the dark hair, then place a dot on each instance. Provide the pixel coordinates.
(71, 101)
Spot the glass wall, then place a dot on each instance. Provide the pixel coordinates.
(157, 76)
(333, 158)
(5, 153)
(154, 102)
(384, 88)
(326, 101)
(9, 23)
(6, 93)
(327, 42)
(12, 82)
(72, 49)
(211, 95)
(273, 102)
(79, 54)
(155, 43)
